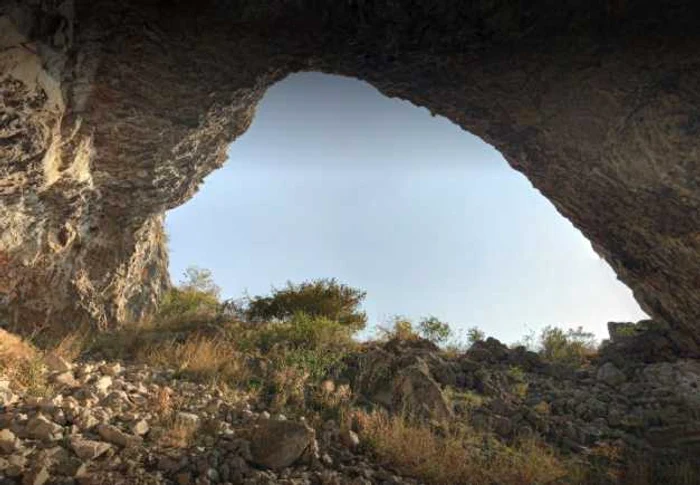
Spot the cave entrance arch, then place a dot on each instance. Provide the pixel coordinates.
(118, 109)
(333, 179)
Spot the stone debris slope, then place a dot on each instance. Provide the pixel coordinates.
(108, 423)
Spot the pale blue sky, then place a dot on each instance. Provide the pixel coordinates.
(335, 180)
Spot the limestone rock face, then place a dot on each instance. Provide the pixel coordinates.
(113, 112)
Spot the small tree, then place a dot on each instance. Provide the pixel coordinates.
(317, 298)
(474, 335)
(401, 328)
(435, 330)
(571, 347)
(199, 279)
(196, 294)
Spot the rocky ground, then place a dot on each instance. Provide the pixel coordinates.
(115, 422)
(107, 423)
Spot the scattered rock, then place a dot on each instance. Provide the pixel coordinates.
(278, 444)
(42, 428)
(88, 449)
(114, 435)
(349, 438)
(36, 476)
(103, 383)
(140, 427)
(9, 443)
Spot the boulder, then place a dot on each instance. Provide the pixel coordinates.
(417, 393)
(278, 444)
(610, 375)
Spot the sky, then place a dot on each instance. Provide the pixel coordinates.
(334, 179)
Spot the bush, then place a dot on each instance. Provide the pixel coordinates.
(199, 280)
(317, 298)
(435, 330)
(474, 335)
(302, 331)
(195, 296)
(573, 347)
(401, 329)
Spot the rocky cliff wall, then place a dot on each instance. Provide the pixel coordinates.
(113, 112)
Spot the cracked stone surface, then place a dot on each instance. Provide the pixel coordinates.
(113, 112)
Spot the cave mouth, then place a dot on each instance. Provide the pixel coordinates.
(334, 179)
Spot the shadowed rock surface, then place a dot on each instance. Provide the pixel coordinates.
(113, 112)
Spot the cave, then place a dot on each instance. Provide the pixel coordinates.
(113, 112)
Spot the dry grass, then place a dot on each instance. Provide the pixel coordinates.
(13, 348)
(21, 364)
(611, 463)
(198, 357)
(177, 435)
(72, 345)
(457, 457)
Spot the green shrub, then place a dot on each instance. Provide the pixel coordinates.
(572, 347)
(195, 295)
(317, 298)
(475, 334)
(199, 280)
(401, 329)
(435, 330)
(302, 331)
(179, 303)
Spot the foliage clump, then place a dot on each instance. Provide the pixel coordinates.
(325, 298)
(572, 347)
(196, 296)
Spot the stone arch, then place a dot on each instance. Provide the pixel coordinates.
(117, 110)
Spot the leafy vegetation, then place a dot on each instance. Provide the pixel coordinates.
(317, 298)
(435, 330)
(573, 347)
(288, 348)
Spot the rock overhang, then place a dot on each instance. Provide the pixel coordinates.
(115, 111)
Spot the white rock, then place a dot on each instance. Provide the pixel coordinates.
(7, 397)
(88, 449)
(140, 427)
(349, 438)
(8, 442)
(85, 420)
(103, 383)
(114, 435)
